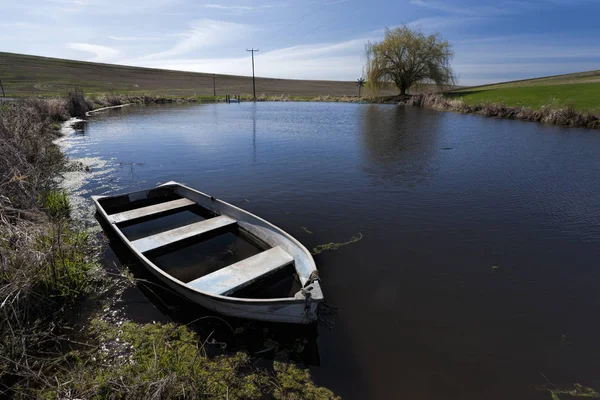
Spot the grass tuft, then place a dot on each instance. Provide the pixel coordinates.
(56, 203)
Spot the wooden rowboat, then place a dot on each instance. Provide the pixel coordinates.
(217, 289)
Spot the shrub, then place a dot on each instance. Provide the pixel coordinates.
(77, 104)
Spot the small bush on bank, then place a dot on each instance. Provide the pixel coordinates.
(109, 100)
(52, 109)
(77, 105)
(113, 99)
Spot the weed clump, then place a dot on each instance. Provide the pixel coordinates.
(334, 246)
(56, 203)
(77, 105)
(156, 361)
(168, 361)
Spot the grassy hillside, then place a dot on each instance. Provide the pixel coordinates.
(580, 91)
(24, 75)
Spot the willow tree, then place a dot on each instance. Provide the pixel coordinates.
(406, 56)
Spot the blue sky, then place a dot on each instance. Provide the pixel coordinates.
(320, 39)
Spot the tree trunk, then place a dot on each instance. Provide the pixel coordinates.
(403, 90)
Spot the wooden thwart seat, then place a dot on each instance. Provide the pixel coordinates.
(182, 233)
(150, 210)
(241, 274)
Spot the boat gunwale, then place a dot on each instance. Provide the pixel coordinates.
(228, 299)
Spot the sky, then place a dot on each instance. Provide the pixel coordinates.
(316, 39)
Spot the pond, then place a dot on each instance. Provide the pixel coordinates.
(477, 272)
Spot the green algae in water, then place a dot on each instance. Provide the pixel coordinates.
(306, 230)
(578, 391)
(334, 246)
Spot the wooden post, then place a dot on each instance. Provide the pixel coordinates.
(2, 86)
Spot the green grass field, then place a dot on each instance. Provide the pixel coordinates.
(580, 91)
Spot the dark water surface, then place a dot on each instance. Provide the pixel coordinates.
(478, 268)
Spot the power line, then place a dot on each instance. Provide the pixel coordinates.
(253, 82)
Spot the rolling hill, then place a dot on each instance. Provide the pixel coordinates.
(581, 91)
(26, 75)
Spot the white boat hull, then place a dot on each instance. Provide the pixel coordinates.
(302, 308)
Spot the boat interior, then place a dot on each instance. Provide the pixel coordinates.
(209, 252)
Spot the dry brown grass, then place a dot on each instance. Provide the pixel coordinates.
(28, 159)
(25, 75)
(43, 263)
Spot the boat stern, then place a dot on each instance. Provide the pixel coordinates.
(312, 296)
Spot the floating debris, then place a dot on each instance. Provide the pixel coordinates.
(306, 230)
(578, 391)
(565, 339)
(334, 246)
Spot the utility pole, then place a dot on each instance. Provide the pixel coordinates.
(214, 85)
(253, 83)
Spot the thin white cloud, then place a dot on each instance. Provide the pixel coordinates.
(204, 34)
(499, 39)
(335, 61)
(239, 9)
(518, 48)
(135, 38)
(303, 51)
(476, 11)
(523, 70)
(433, 23)
(59, 8)
(228, 7)
(102, 53)
(335, 2)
